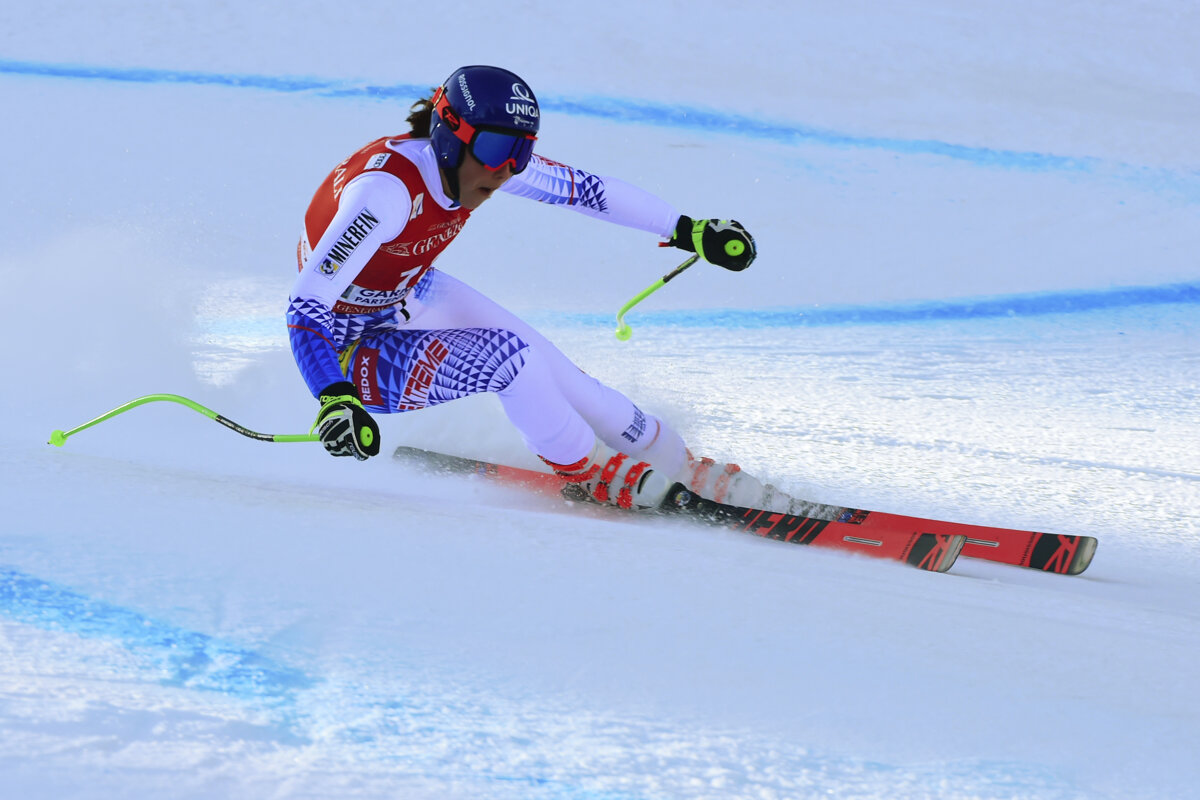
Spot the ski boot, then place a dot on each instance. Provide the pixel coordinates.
(727, 483)
(611, 477)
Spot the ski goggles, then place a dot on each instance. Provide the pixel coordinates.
(491, 148)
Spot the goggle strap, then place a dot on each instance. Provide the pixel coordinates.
(462, 130)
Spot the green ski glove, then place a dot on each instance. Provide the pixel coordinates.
(718, 241)
(345, 427)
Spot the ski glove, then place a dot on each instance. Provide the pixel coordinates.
(722, 242)
(345, 427)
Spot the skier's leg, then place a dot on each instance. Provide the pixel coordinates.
(442, 301)
(570, 447)
(404, 370)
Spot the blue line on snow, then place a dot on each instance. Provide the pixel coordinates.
(1022, 305)
(186, 659)
(713, 121)
(192, 660)
(266, 328)
(608, 108)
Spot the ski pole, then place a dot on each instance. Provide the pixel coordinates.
(623, 330)
(59, 437)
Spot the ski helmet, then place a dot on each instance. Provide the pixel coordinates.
(479, 99)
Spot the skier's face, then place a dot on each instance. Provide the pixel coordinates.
(477, 183)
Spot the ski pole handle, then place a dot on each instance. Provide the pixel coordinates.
(59, 437)
(623, 330)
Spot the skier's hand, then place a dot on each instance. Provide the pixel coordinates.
(718, 241)
(345, 427)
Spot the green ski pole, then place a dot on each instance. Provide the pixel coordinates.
(623, 330)
(59, 437)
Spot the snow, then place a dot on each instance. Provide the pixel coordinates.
(975, 300)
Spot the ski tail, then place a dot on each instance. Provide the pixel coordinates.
(541, 482)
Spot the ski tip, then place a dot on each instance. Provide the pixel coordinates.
(1083, 555)
(936, 552)
(953, 550)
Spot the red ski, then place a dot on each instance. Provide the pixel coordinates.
(909, 544)
(908, 539)
(929, 550)
(1048, 552)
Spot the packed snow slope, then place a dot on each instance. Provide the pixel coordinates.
(976, 299)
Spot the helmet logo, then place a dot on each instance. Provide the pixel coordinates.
(521, 93)
(466, 91)
(453, 121)
(524, 106)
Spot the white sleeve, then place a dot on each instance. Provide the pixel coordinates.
(373, 209)
(609, 199)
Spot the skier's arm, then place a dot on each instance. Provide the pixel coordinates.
(722, 242)
(610, 199)
(372, 210)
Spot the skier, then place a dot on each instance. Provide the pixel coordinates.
(374, 328)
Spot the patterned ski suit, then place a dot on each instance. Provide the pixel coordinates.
(369, 307)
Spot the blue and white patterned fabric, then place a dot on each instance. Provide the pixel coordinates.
(558, 184)
(314, 331)
(606, 198)
(410, 369)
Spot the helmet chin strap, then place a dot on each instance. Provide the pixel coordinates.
(450, 179)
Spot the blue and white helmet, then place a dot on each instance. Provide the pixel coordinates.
(482, 97)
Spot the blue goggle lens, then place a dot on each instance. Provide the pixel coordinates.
(495, 149)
